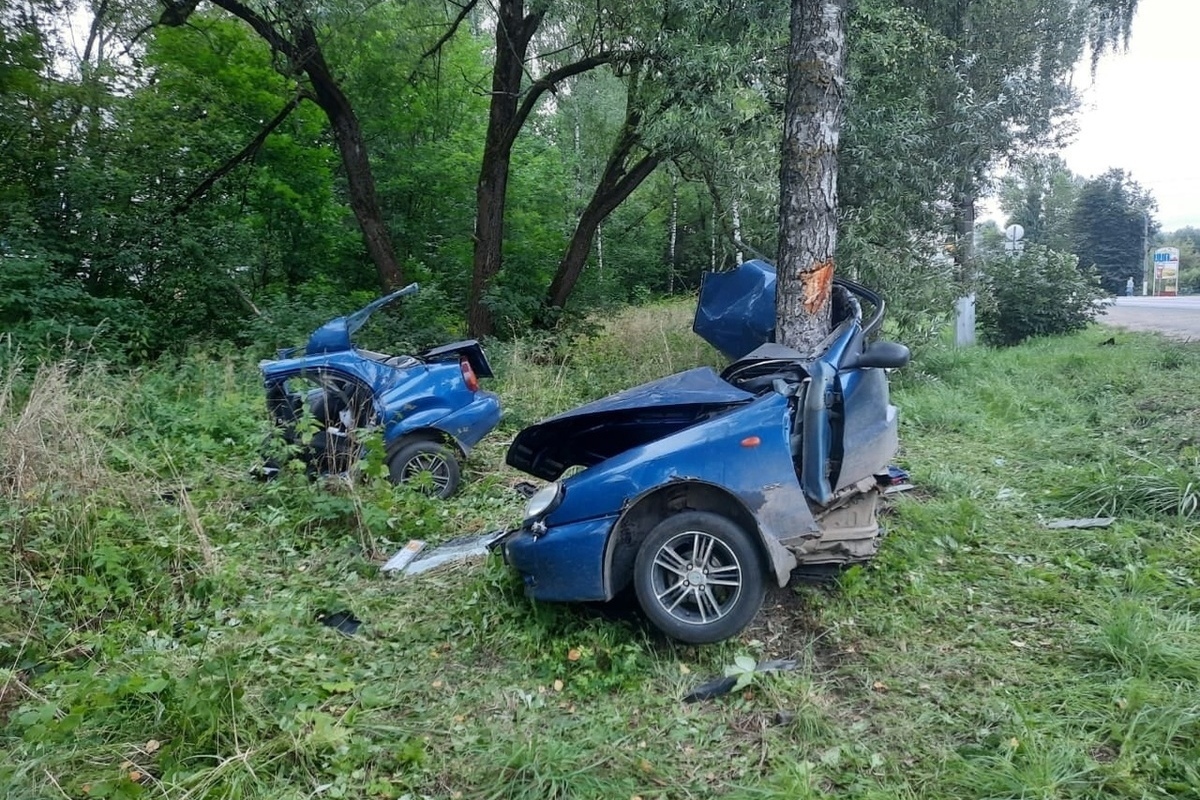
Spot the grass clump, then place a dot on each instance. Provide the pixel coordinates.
(161, 634)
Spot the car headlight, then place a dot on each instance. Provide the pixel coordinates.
(544, 501)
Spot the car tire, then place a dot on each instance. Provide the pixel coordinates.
(426, 457)
(705, 599)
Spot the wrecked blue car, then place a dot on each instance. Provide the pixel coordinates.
(429, 406)
(699, 488)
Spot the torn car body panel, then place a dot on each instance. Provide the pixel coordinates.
(432, 396)
(782, 447)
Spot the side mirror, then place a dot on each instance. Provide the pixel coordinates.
(883, 355)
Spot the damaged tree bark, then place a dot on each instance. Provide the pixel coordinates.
(813, 116)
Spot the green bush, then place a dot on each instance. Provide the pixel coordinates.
(1042, 293)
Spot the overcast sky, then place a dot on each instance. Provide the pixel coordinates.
(1141, 112)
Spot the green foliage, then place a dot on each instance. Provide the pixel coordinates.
(159, 634)
(1040, 293)
(1039, 195)
(1110, 228)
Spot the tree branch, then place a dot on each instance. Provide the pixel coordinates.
(244, 154)
(445, 37)
(550, 80)
(94, 30)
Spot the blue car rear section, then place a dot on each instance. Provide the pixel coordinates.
(430, 396)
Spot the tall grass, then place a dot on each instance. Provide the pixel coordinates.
(161, 634)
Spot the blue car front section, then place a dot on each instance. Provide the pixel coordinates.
(566, 563)
(745, 452)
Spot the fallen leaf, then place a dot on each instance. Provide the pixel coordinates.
(127, 765)
(1017, 643)
(573, 654)
(645, 766)
(683, 670)
(879, 686)
(436, 684)
(86, 788)
(135, 776)
(558, 685)
(1014, 743)
(152, 746)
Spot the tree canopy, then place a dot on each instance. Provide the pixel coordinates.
(180, 171)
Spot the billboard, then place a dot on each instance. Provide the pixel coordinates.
(1166, 270)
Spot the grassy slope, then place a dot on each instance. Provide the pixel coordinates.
(158, 634)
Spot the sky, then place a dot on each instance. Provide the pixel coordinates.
(1140, 113)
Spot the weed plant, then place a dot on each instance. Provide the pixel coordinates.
(161, 634)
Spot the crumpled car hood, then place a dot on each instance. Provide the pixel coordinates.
(607, 427)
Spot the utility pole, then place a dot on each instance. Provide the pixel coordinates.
(1147, 264)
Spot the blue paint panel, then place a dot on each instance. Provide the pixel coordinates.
(407, 393)
(564, 564)
(736, 310)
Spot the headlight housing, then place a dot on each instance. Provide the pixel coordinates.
(544, 501)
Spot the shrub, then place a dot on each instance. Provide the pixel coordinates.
(1042, 293)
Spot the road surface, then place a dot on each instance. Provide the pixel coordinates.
(1177, 317)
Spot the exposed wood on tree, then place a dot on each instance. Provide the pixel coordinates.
(813, 116)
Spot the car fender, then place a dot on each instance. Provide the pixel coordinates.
(649, 508)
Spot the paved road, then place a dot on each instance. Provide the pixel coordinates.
(1177, 317)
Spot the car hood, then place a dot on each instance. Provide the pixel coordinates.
(334, 336)
(604, 428)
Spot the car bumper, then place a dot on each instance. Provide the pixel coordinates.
(566, 563)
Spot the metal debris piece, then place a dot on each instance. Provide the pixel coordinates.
(404, 557)
(720, 686)
(341, 621)
(455, 551)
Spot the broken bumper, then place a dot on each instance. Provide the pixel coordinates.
(566, 563)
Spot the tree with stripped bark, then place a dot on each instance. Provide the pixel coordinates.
(813, 114)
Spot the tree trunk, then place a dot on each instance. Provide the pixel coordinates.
(305, 53)
(813, 115)
(614, 188)
(601, 205)
(674, 234)
(513, 32)
(506, 115)
(964, 229)
(360, 181)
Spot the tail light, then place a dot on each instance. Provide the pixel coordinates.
(469, 375)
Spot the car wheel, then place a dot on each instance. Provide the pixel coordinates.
(699, 577)
(431, 466)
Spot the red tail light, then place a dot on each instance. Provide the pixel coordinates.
(469, 375)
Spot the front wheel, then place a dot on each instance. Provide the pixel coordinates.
(429, 466)
(699, 577)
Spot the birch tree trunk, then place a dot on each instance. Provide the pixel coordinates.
(813, 114)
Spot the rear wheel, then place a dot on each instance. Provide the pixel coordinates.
(428, 466)
(699, 577)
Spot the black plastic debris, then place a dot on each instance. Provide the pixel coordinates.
(341, 621)
(720, 686)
